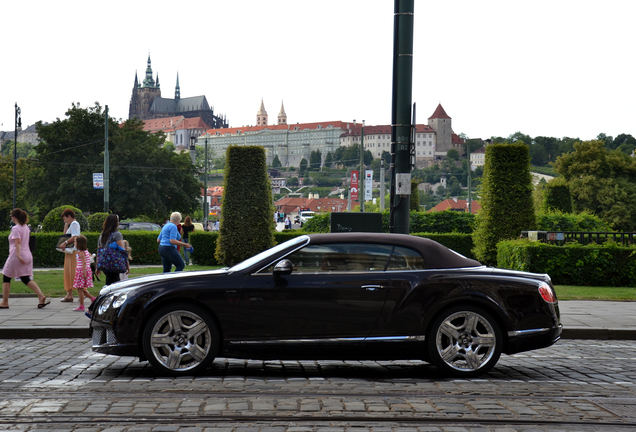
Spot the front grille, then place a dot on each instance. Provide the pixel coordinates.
(103, 336)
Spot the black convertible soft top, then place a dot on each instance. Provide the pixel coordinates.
(436, 256)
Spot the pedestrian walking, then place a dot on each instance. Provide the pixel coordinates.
(20, 260)
(72, 227)
(110, 234)
(187, 228)
(83, 273)
(169, 238)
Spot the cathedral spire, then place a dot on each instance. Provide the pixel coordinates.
(261, 115)
(149, 81)
(282, 117)
(177, 89)
(136, 81)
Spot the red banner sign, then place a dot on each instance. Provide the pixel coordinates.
(355, 181)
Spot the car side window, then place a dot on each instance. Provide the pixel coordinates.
(405, 259)
(339, 258)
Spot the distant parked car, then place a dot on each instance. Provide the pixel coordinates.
(198, 226)
(139, 226)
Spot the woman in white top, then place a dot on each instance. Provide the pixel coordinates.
(72, 227)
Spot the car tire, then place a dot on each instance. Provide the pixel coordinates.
(180, 339)
(464, 341)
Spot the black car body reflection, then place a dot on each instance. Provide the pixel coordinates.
(332, 296)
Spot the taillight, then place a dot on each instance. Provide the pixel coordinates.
(547, 293)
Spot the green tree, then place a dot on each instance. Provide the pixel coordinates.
(557, 197)
(302, 167)
(506, 199)
(145, 178)
(415, 197)
(315, 160)
(292, 181)
(247, 223)
(452, 154)
(602, 182)
(276, 162)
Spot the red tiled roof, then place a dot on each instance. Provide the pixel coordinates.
(289, 205)
(162, 124)
(456, 205)
(299, 126)
(439, 113)
(455, 139)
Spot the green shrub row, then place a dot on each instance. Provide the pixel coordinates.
(557, 221)
(572, 264)
(143, 244)
(434, 222)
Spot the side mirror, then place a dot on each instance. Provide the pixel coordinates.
(283, 267)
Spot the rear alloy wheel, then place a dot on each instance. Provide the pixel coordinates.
(180, 339)
(465, 341)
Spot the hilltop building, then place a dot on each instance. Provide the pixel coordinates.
(146, 103)
(294, 142)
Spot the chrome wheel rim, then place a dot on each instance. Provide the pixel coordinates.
(180, 340)
(466, 341)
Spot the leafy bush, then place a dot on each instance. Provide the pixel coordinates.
(443, 222)
(96, 221)
(320, 223)
(507, 207)
(247, 223)
(572, 264)
(556, 221)
(53, 220)
(557, 196)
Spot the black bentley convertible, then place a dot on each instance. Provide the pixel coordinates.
(332, 296)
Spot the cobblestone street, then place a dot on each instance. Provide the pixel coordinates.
(60, 384)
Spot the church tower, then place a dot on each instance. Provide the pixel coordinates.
(440, 122)
(282, 117)
(261, 116)
(177, 90)
(144, 94)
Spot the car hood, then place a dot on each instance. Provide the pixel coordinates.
(145, 280)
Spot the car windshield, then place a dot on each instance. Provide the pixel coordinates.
(273, 251)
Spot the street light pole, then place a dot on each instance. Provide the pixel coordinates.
(362, 174)
(206, 210)
(18, 127)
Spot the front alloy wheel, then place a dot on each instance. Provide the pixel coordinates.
(465, 341)
(180, 339)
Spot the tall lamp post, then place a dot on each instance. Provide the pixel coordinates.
(18, 127)
(206, 210)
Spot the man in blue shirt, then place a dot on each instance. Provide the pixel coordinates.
(169, 238)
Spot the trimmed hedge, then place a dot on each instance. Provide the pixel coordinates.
(143, 244)
(53, 220)
(247, 211)
(507, 206)
(571, 222)
(435, 222)
(572, 264)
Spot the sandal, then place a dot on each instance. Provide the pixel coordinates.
(67, 300)
(46, 302)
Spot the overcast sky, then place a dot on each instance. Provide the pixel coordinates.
(545, 67)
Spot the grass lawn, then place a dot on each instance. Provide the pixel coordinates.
(566, 292)
(51, 282)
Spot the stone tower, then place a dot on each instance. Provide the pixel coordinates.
(144, 94)
(282, 117)
(261, 116)
(440, 122)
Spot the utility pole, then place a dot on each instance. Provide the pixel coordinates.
(381, 184)
(470, 200)
(18, 128)
(106, 161)
(401, 133)
(361, 174)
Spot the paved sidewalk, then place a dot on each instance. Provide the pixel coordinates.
(580, 319)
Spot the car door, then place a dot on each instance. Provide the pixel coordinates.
(334, 291)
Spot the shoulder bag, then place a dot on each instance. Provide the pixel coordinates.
(111, 260)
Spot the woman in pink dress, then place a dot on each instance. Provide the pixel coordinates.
(20, 261)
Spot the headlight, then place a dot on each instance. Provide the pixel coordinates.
(119, 300)
(114, 300)
(105, 305)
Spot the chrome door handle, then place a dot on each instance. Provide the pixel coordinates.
(372, 287)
